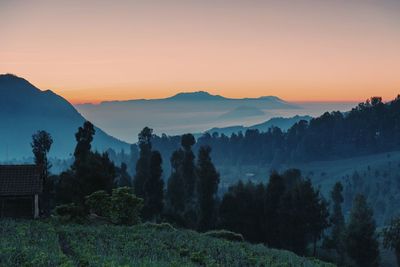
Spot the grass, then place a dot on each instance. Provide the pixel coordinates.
(38, 243)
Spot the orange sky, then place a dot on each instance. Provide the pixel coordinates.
(299, 50)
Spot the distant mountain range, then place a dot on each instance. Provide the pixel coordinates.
(283, 123)
(201, 96)
(181, 113)
(24, 109)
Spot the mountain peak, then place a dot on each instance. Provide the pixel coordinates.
(195, 96)
(271, 97)
(11, 82)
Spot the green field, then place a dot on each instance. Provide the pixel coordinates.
(35, 243)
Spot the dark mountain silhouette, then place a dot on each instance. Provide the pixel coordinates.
(196, 96)
(283, 123)
(24, 109)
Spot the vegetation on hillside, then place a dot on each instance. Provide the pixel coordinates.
(35, 243)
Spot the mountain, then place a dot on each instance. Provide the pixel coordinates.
(24, 109)
(283, 123)
(181, 113)
(196, 96)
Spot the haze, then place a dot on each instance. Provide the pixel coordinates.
(90, 51)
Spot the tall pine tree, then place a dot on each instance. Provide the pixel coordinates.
(188, 168)
(41, 144)
(207, 187)
(154, 189)
(143, 163)
(360, 239)
(337, 221)
(175, 189)
(90, 172)
(274, 192)
(124, 178)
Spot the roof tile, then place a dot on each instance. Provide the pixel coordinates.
(18, 180)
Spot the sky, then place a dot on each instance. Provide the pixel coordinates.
(299, 50)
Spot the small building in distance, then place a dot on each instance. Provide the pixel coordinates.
(20, 187)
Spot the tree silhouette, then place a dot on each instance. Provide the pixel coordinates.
(154, 189)
(207, 187)
(41, 144)
(360, 239)
(274, 192)
(90, 172)
(337, 220)
(188, 168)
(143, 163)
(124, 178)
(175, 190)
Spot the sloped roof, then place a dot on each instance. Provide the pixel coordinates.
(18, 180)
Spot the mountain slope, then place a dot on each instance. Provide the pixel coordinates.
(24, 109)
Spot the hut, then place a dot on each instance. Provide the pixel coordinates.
(20, 187)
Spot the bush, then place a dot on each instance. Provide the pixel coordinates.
(224, 234)
(99, 203)
(71, 213)
(125, 206)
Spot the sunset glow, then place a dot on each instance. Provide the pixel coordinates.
(303, 50)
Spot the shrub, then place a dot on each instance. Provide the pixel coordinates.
(99, 203)
(125, 206)
(224, 234)
(70, 212)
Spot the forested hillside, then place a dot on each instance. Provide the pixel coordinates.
(371, 127)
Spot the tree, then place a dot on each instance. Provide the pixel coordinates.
(391, 237)
(207, 187)
(175, 190)
(124, 178)
(318, 215)
(303, 217)
(143, 163)
(148, 183)
(241, 211)
(181, 191)
(154, 189)
(90, 172)
(337, 221)
(41, 144)
(188, 168)
(360, 238)
(274, 192)
(189, 180)
(84, 138)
